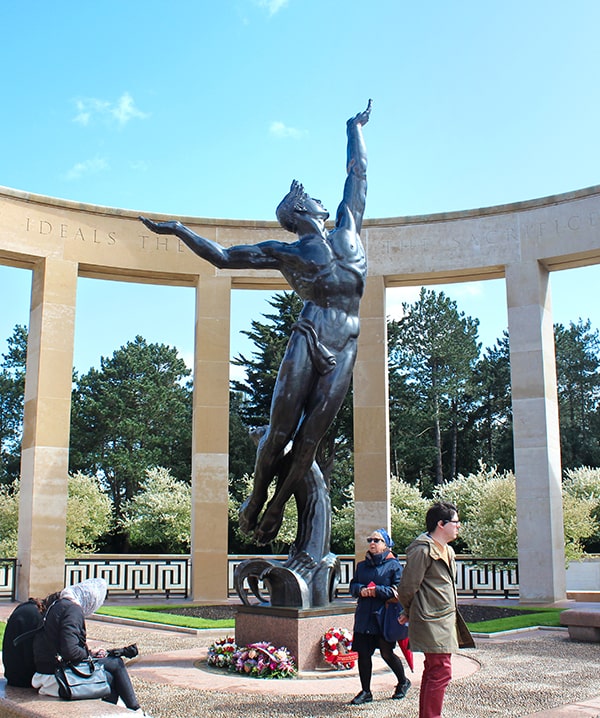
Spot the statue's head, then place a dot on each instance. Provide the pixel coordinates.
(296, 206)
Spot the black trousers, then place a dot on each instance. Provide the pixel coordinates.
(120, 682)
(365, 644)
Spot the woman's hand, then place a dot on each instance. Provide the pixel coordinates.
(367, 592)
(99, 653)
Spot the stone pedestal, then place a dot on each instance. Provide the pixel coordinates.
(299, 630)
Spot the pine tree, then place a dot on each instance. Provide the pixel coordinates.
(434, 351)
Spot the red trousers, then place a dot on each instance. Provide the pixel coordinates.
(437, 673)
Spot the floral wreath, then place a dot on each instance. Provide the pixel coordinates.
(221, 652)
(336, 647)
(259, 660)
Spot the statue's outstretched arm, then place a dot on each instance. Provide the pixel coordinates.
(355, 188)
(259, 256)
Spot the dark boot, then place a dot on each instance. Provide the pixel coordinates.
(402, 689)
(362, 697)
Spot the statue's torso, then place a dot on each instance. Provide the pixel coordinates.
(329, 277)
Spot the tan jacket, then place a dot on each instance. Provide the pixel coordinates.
(427, 591)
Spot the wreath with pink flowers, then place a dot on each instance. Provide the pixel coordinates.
(336, 647)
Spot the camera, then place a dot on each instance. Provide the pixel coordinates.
(127, 652)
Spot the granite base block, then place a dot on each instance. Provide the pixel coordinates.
(299, 630)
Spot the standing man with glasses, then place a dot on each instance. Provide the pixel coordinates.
(427, 591)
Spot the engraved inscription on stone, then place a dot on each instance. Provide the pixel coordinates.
(157, 242)
(557, 227)
(70, 232)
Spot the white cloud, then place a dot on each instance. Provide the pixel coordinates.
(394, 298)
(126, 110)
(93, 166)
(273, 6)
(465, 289)
(279, 129)
(188, 358)
(88, 107)
(237, 373)
(139, 165)
(121, 111)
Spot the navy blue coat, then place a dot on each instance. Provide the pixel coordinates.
(384, 570)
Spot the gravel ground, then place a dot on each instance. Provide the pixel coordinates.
(535, 671)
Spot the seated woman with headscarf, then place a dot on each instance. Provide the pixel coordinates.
(65, 634)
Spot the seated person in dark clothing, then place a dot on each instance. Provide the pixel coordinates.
(65, 634)
(18, 657)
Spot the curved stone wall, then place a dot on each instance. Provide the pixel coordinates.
(560, 231)
(522, 242)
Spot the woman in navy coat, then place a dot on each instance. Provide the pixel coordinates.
(373, 584)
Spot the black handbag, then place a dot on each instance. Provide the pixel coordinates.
(83, 681)
(388, 615)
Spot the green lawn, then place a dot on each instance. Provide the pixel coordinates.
(159, 614)
(541, 617)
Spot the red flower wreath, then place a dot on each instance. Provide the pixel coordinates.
(336, 647)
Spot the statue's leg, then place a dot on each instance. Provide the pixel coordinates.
(287, 405)
(314, 519)
(321, 409)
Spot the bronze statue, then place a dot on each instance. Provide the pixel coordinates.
(327, 268)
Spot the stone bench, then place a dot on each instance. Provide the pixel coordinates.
(27, 703)
(584, 596)
(583, 624)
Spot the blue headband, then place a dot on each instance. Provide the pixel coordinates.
(386, 537)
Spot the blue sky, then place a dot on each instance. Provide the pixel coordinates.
(209, 109)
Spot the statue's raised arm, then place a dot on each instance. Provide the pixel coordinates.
(355, 188)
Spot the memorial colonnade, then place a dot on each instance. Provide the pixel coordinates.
(522, 243)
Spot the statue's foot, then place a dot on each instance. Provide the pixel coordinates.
(269, 525)
(302, 563)
(248, 515)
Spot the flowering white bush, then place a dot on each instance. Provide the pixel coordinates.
(407, 514)
(89, 513)
(160, 515)
(9, 520)
(487, 507)
(584, 483)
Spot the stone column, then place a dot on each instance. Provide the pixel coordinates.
(210, 440)
(371, 418)
(46, 423)
(536, 434)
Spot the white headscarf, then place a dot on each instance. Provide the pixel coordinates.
(89, 594)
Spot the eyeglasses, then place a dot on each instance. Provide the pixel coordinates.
(374, 540)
